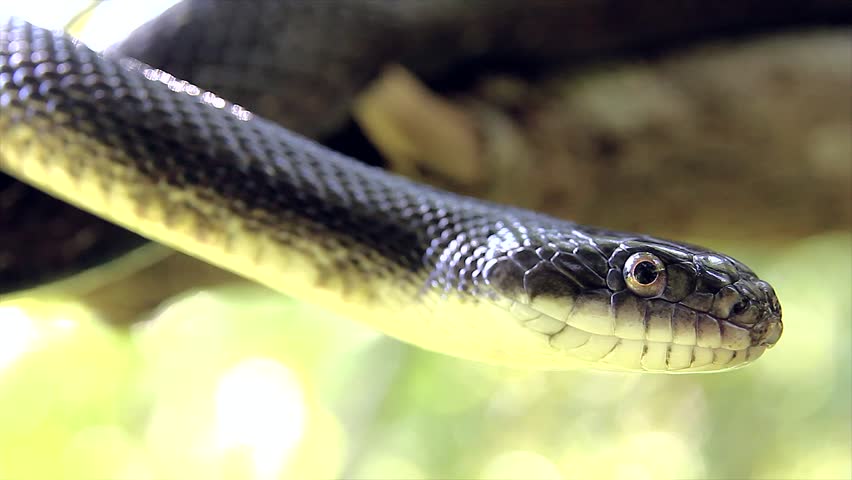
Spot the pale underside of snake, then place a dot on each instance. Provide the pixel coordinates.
(180, 165)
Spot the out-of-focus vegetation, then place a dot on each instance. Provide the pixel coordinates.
(237, 382)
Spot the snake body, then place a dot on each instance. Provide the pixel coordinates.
(146, 150)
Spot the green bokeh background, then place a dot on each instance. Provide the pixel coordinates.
(240, 382)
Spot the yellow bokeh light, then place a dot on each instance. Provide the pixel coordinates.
(260, 406)
(17, 334)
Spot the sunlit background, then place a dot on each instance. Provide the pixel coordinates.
(237, 382)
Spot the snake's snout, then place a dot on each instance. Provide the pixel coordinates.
(768, 332)
(760, 311)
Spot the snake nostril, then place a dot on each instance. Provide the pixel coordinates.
(739, 307)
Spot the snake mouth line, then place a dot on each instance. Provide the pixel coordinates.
(610, 351)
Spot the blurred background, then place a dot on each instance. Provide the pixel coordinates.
(179, 370)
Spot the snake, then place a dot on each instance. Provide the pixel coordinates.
(147, 141)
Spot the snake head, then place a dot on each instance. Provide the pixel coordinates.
(635, 303)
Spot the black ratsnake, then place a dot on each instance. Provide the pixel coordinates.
(155, 154)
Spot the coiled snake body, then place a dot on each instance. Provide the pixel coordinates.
(158, 155)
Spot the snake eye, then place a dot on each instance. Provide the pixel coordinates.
(645, 274)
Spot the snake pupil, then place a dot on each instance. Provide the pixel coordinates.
(645, 273)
